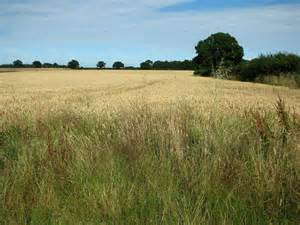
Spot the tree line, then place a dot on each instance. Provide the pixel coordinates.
(35, 64)
(168, 65)
(74, 64)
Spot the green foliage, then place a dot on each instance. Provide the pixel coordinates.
(147, 65)
(203, 71)
(219, 47)
(18, 63)
(101, 65)
(174, 65)
(73, 64)
(266, 65)
(130, 68)
(48, 65)
(140, 166)
(118, 65)
(37, 64)
(54, 65)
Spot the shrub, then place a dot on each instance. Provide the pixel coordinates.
(202, 71)
(266, 65)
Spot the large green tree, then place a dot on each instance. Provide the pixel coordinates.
(217, 49)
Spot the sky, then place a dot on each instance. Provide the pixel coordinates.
(136, 30)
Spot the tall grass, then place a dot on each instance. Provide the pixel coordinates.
(148, 166)
(287, 80)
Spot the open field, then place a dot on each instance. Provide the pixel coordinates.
(97, 90)
(146, 147)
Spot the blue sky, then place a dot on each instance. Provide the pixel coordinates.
(136, 30)
(202, 5)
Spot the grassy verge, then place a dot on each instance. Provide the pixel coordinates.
(143, 166)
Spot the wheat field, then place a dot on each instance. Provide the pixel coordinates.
(99, 90)
(146, 147)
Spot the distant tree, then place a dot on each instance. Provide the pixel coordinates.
(118, 65)
(55, 65)
(147, 65)
(174, 65)
(18, 63)
(130, 68)
(101, 65)
(73, 64)
(37, 64)
(219, 48)
(47, 65)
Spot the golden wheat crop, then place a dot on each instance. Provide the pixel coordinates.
(41, 91)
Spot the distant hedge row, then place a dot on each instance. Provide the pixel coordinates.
(74, 64)
(265, 65)
(174, 65)
(35, 64)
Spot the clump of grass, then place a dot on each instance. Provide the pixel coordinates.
(143, 166)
